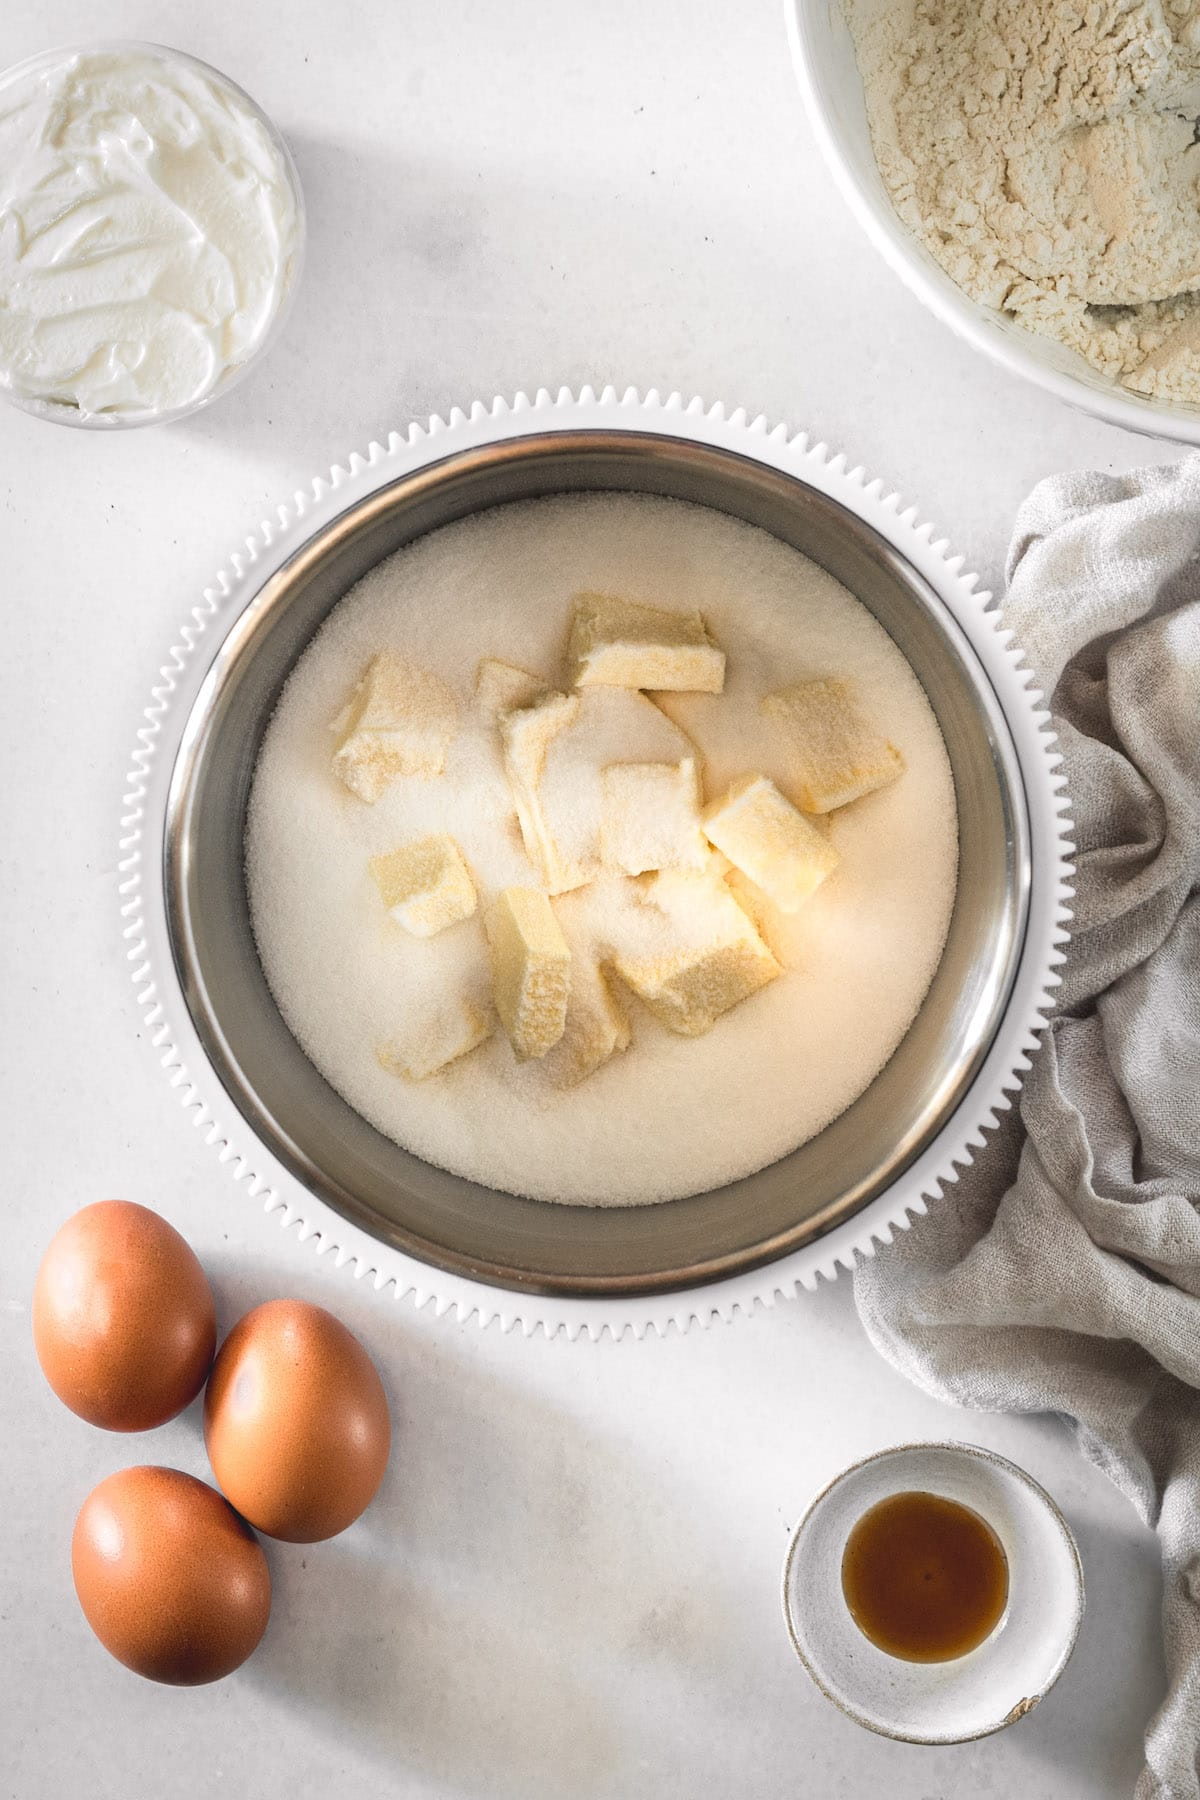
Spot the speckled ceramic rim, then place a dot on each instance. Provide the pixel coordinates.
(953, 1447)
(1004, 342)
(53, 411)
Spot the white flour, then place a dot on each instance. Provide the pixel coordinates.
(671, 1116)
(1045, 152)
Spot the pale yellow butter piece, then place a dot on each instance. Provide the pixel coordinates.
(612, 725)
(431, 1043)
(597, 1025)
(763, 916)
(426, 885)
(555, 754)
(651, 817)
(703, 958)
(400, 720)
(838, 756)
(504, 687)
(525, 736)
(531, 970)
(619, 643)
(764, 836)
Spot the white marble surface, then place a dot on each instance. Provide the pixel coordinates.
(569, 1584)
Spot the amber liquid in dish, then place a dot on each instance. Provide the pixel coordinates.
(924, 1578)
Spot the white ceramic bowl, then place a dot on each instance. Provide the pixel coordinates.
(995, 1684)
(832, 91)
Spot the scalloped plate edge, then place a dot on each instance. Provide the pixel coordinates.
(160, 1002)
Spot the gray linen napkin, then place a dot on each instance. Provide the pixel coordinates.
(1062, 1271)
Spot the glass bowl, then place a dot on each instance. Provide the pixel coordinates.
(61, 412)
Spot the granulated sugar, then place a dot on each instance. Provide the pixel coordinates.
(669, 1116)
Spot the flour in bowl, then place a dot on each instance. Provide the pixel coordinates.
(1046, 153)
(662, 1115)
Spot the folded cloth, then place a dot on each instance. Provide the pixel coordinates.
(1061, 1271)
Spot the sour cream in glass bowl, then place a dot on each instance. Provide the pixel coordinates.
(151, 234)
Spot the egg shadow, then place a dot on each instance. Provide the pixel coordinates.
(480, 1625)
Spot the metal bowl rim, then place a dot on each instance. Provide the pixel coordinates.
(274, 593)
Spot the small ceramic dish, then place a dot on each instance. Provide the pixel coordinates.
(993, 1685)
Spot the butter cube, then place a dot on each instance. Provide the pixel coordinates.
(762, 915)
(597, 1026)
(764, 836)
(839, 756)
(503, 687)
(426, 885)
(703, 957)
(525, 736)
(531, 970)
(400, 720)
(618, 643)
(651, 817)
(555, 755)
(431, 1043)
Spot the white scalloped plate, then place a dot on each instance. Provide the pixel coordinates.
(161, 1003)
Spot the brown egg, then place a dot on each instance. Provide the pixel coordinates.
(296, 1422)
(171, 1581)
(123, 1317)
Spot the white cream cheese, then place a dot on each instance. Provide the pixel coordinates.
(150, 229)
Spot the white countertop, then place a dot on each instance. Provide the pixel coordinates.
(568, 1586)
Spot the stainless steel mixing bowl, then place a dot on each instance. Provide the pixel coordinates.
(477, 1231)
